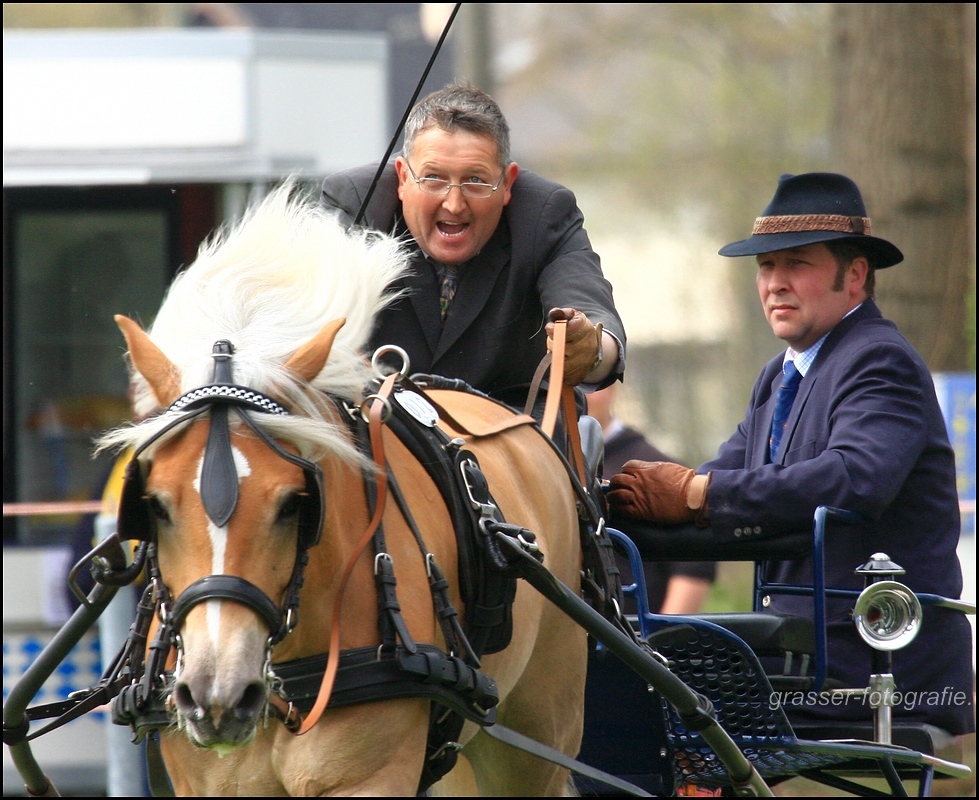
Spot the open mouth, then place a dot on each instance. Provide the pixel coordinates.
(451, 229)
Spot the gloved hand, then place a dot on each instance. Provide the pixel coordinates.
(582, 344)
(660, 491)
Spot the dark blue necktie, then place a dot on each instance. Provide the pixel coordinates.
(783, 405)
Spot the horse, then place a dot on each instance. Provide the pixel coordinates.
(251, 487)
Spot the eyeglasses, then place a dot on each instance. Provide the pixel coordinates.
(440, 186)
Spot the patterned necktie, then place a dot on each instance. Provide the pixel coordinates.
(783, 405)
(450, 280)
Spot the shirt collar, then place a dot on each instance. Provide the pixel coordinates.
(804, 359)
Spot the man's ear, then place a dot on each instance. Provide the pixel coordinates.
(509, 176)
(401, 167)
(856, 274)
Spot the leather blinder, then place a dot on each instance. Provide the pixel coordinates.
(312, 510)
(135, 521)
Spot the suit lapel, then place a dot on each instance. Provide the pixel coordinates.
(867, 310)
(423, 292)
(476, 280)
(763, 423)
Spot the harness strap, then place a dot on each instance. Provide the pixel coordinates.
(446, 614)
(556, 382)
(226, 587)
(365, 678)
(377, 406)
(534, 390)
(510, 422)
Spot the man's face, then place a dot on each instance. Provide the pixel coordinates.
(453, 228)
(799, 292)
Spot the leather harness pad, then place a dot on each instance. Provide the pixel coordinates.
(487, 594)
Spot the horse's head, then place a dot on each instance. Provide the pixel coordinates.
(231, 512)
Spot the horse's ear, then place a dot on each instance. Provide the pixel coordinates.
(308, 361)
(150, 362)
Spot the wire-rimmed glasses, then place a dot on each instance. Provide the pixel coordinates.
(439, 186)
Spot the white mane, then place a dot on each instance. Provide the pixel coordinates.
(268, 284)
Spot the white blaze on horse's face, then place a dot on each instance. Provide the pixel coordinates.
(219, 540)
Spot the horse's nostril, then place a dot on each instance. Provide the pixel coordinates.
(252, 701)
(184, 700)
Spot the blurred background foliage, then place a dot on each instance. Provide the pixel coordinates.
(672, 122)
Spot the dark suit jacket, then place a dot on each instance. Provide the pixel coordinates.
(539, 258)
(866, 434)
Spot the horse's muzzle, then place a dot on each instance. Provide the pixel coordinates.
(219, 723)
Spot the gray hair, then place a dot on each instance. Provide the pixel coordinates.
(459, 107)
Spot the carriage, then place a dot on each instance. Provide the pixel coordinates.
(363, 581)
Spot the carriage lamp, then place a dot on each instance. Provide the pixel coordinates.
(888, 617)
(887, 613)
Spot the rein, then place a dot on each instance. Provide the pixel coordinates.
(376, 405)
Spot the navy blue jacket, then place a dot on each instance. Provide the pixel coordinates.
(866, 434)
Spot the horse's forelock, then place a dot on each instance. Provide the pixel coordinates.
(268, 284)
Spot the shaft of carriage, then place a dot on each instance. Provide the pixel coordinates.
(694, 709)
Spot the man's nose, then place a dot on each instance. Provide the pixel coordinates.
(778, 280)
(455, 200)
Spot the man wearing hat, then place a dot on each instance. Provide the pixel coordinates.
(846, 417)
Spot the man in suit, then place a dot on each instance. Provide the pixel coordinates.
(499, 254)
(865, 433)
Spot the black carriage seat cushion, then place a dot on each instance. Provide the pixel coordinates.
(769, 634)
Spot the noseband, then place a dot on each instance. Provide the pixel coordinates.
(219, 493)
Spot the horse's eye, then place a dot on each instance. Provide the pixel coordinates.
(289, 508)
(158, 510)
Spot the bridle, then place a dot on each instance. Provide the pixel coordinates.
(219, 493)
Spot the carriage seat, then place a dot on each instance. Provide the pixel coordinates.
(777, 636)
(769, 634)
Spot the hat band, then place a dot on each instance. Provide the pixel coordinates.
(812, 222)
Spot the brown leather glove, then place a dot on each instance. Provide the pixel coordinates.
(582, 344)
(660, 491)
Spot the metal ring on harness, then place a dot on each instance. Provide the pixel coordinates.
(383, 351)
(365, 407)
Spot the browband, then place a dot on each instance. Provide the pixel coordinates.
(228, 393)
